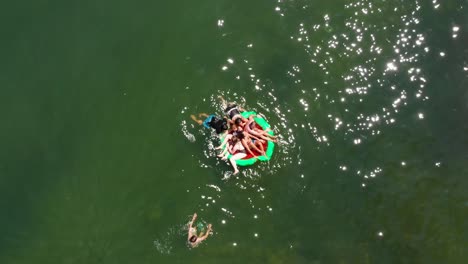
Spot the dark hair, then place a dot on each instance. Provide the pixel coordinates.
(193, 239)
(233, 127)
(240, 135)
(219, 125)
(238, 121)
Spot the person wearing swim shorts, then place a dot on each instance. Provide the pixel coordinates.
(193, 237)
(220, 125)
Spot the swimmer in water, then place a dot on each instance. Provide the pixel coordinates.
(195, 239)
(220, 125)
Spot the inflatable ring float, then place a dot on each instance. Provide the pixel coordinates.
(268, 146)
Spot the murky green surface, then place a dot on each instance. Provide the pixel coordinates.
(100, 162)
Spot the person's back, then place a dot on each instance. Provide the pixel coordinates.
(219, 125)
(233, 112)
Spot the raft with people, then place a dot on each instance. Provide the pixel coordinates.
(268, 146)
(245, 136)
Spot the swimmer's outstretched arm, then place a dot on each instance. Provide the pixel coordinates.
(193, 220)
(190, 225)
(205, 236)
(223, 102)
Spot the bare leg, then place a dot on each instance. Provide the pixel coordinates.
(253, 131)
(267, 138)
(203, 115)
(247, 147)
(260, 145)
(234, 165)
(233, 161)
(255, 148)
(225, 156)
(194, 118)
(265, 133)
(259, 135)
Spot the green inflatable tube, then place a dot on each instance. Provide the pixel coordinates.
(270, 145)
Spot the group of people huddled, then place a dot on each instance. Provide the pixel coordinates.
(241, 136)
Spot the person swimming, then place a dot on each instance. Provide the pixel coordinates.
(220, 125)
(194, 239)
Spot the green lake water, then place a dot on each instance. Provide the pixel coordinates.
(101, 163)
